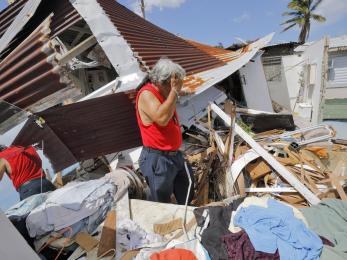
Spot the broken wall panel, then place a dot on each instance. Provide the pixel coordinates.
(30, 72)
(87, 129)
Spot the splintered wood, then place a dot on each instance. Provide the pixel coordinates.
(287, 164)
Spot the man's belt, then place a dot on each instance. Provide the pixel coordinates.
(151, 150)
(29, 181)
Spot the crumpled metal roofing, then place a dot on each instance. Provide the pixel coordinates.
(64, 16)
(221, 54)
(9, 14)
(84, 130)
(199, 82)
(150, 43)
(19, 22)
(30, 72)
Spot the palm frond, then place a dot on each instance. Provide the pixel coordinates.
(297, 20)
(318, 18)
(288, 27)
(290, 13)
(315, 5)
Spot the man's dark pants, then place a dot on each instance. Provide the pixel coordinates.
(34, 187)
(165, 174)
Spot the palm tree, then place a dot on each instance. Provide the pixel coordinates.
(302, 14)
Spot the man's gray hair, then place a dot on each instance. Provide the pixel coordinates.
(162, 71)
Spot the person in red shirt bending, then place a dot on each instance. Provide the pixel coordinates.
(24, 167)
(161, 162)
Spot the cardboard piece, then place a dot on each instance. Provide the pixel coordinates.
(86, 241)
(166, 228)
(108, 234)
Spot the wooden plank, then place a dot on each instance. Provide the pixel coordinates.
(166, 228)
(282, 170)
(230, 109)
(58, 182)
(77, 50)
(83, 30)
(258, 169)
(108, 234)
(189, 225)
(130, 255)
(270, 190)
(200, 156)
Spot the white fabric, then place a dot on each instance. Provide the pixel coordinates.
(70, 204)
(131, 236)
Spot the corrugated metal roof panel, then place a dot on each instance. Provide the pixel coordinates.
(19, 22)
(85, 130)
(150, 43)
(199, 82)
(64, 16)
(9, 14)
(30, 72)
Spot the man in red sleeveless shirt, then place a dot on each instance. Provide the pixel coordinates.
(24, 167)
(161, 162)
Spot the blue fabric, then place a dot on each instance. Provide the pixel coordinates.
(276, 227)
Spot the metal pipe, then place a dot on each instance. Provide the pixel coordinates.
(187, 198)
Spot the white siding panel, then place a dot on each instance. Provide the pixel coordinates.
(338, 70)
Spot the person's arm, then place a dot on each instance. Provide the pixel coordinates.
(157, 112)
(2, 168)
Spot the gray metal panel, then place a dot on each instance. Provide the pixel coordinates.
(13, 245)
(19, 22)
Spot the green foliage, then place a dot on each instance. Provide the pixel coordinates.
(245, 127)
(302, 13)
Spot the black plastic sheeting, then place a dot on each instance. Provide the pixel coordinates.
(84, 130)
(265, 122)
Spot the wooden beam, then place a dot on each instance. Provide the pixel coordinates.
(80, 29)
(280, 169)
(79, 36)
(77, 50)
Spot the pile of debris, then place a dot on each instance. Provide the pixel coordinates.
(298, 167)
(284, 183)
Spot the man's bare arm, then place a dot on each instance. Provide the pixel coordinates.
(2, 168)
(157, 112)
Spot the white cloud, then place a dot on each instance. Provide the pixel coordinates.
(333, 10)
(243, 17)
(161, 4)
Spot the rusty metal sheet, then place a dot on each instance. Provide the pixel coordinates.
(64, 16)
(30, 72)
(86, 129)
(150, 43)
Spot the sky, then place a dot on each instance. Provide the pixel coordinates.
(220, 21)
(223, 21)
